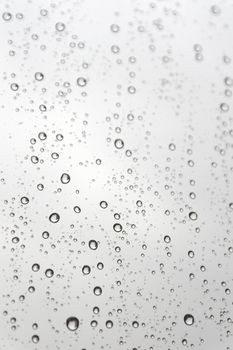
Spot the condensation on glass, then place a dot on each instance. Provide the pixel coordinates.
(116, 175)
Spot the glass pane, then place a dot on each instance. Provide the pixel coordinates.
(116, 169)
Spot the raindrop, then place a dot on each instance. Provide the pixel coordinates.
(97, 291)
(39, 76)
(189, 319)
(65, 178)
(131, 90)
(24, 200)
(135, 324)
(109, 324)
(191, 253)
(60, 26)
(117, 227)
(77, 209)
(6, 16)
(14, 87)
(35, 339)
(193, 215)
(103, 204)
(215, 10)
(54, 218)
(81, 82)
(86, 270)
(42, 136)
(72, 323)
(45, 235)
(49, 273)
(119, 143)
(93, 244)
(167, 239)
(115, 28)
(172, 147)
(35, 267)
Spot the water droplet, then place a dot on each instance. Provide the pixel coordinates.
(228, 81)
(59, 137)
(14, 87)
(193, 215)
(35, 326)
(54, 218)
(97, 291)
(81, 82)
(115, 28)
(24, 200)
(39, 76)
(43, 12)
(117, 227)
(35, 339)
(34, 159)
(42, 136)
(72, 323)
(100, 266)
(135, 324)
(131, 90)
(40, 187)
(202, 268)
(86, 270)
(45, 235)
(65, 178)
(55, 155)
(96, 310)
(93, 244)
(6, 16)
(167, 239)
(60, 26)
(216, 10)
(189, 319)
(109, 324)
(191, 253)
(49, 273)
(119, 143)
(224, 107)
(172, 147)
(103, 204)
(139, 203)
(35, 267)
(77, 209)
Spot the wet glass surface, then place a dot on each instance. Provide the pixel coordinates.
(116, 175)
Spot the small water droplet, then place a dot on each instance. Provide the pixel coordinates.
(93, 244)
(60, 26)
(24, 200)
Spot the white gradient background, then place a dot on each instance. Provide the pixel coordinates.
(179, 103)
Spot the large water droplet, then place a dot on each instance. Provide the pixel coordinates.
(54, 218)
(193, 215)
(72, 323)
(189, 319)
(119, 143)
